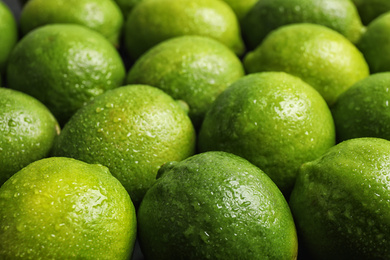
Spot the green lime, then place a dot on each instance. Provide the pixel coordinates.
(375, 46)
(364, 109)
(241, 7)
(320, 56)
(151, 22)
(103, 16)
(194, 69)
(9, 34)
(132, 130)
(341, 201)
(126, 6)
(371, 9)
(27, 131)
(64, 66)
(274, 120)
(61, 208)
(268, 15)
(215, 205)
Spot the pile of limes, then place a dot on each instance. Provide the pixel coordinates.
(196, 129)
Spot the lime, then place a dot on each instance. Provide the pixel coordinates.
(194, 69)
(9, 34)
(132, 130)
(274, 120)
(27, 131)
(374, 44)
(268, 15)
(64, 66)
(151, 22)
(318, 55)
(103, 16)
(363, 110)
(371, 9)
(61, 208)
(126, 6)
(215, 205)
(341, 201)
(241, 7)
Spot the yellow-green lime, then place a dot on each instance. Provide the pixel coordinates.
(341, 201)
(371, 9)
(375, 46)
(126, 6)
(27, 131)
(64, 66)
(61, 208)
(320, 56)
(241, 7)
(103, 16)
(215, 205)
(274, 120)
(151, 22)
(364, 109)
(195, 69)
(268, 15)
(132, 130)
(9, 34)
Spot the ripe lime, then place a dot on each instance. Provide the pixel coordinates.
(151, 22)
(318, 55)
(9, 34)
(103, 16)
(341, 201)
(364, 109)
(64, 66)
(371, 9)
(268, 15)
(241, 7)
(61, 208)
(27, 131)
(132, 130)
(215, 205)
(274, 120)
(194, 69)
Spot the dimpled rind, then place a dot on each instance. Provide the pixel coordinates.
(341, 201)
(215, 205)
(61, 208)
(132, 130)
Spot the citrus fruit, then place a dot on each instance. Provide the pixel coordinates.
(151, 22)
(27, 131)
(341, 201)
(132, 130)
(9, 34)
(126, 6)
(363, 110)
(103, 16)
(194, 69)
(64, 66)
(318, 55)
(215, 205)
(241, 7)
(274, 120)
(61, 208)
(371, 9)
(374, 44)
(268, 15)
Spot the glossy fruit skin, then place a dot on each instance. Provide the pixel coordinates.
(61, 208)
(318, 55)
(274, 120)
(340, 201)
(27, 131)
(9, 35)
(151, 22)
(64, 66)
(374, 44)
(371, 9)
(132, 130)
(363, 110)
(102, 16)
(215, 205)
(268, 15)
(194, 69)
